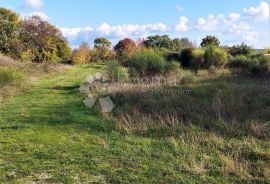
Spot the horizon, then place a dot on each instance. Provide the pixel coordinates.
(83, 21)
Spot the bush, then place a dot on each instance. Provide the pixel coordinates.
(239, 61)
(172, 66)
(197, 61)
(215, 56)
(255, 64)
(115, 71)
(147, 62)
(242, 49)
(9, 76)
(186, 57)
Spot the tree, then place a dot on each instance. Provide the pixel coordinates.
(101, 43)
(125, 46)
(81, 55)
(9, 26)
(242, 49)
(185, 43)
(43, 41)
(210, 41)
(101, 50)
(176, 45)
(159, 42)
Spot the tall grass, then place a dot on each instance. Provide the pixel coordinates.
(10, 76)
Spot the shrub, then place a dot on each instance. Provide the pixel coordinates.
(255, 64)
(242, 49)
(186, 57)
(172, 66)
(239, 61)
(9, 76)
(114, 70)
(147, 62)
(197, 61)
(215, 56)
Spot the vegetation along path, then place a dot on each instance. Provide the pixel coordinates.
(47, 135)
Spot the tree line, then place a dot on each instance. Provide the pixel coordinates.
(34, 39)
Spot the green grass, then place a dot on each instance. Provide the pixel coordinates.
(47, 135)
(9, 76)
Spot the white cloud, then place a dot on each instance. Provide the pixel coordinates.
(179, 8)
(42, 15)
(74, 33)
(260, 12)
(232, 17)
(130, 30)
(207, 24)
(34, 3)
(182, 24)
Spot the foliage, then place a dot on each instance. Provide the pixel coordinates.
(101, 51)
(81, 55)
(215, 56)
(9, 26)
(9, 76)
(197, 61)
(43, 40)
(242, 49)
(125, 46)
(102, 43)
(172, 66)
(186, 43)
(256, 64)
(186, 57)
(165, 42)
(147, 62)
(210, 41)
(115, 71)
(158, 41)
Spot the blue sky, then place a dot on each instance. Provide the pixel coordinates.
(233, 21)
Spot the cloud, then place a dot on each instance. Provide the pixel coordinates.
(34, 3)
(261, 12)
(179, 8)
(74, 33)
(182, 24)
(130, 30)
(42, 15)
(207, 24)
(232, 17)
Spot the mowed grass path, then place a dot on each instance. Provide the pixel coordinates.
(47, 135)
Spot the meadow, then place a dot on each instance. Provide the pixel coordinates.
(177, 112)
(49, 136)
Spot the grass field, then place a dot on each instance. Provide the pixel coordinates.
(47, 135)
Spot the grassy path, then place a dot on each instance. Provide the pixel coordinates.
(48, 136)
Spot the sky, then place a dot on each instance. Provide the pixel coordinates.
(232, 21)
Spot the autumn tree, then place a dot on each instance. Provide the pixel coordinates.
(81, 54)
(125, 46)
(43, 41)
(9, 26)
(210, 41)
